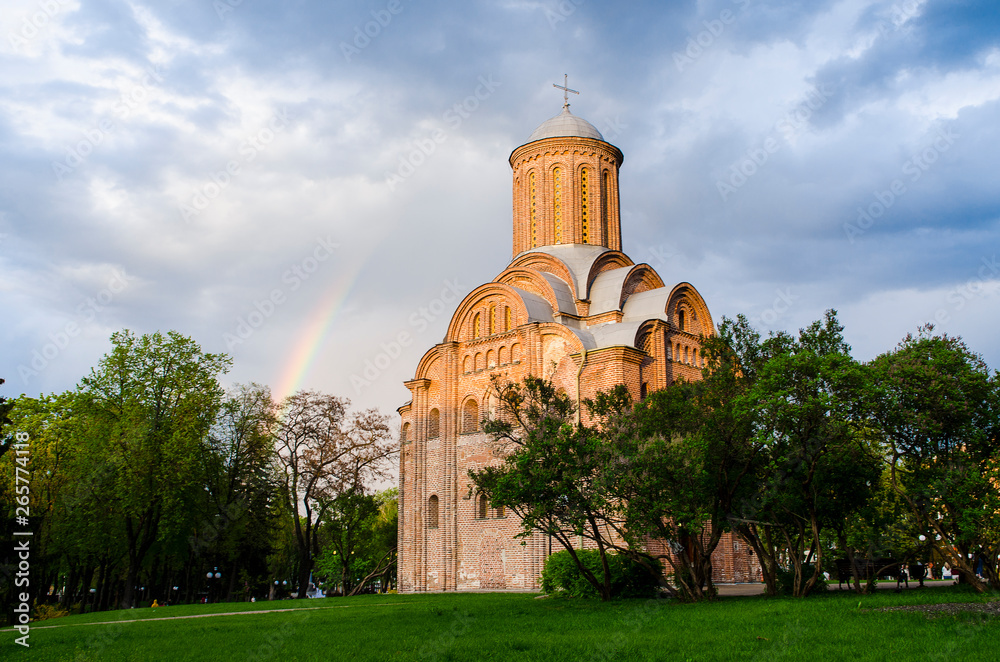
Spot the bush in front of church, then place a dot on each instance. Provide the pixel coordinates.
(629, 579)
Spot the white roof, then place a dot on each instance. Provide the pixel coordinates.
(578, 258)
(565, 124)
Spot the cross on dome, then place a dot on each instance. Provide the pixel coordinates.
(564, 87)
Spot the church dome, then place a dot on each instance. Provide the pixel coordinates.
(563, 125)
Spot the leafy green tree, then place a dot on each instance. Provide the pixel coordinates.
(360, 530)
(151, 402)
(938, 408)
(6, 405)
(882, 528)
(684, 456)
(550, 474)
(818, 468)
(76, 534)
(236, 526)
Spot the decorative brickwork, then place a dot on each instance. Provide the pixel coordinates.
(570, 307)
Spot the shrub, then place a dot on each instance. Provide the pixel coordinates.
(45, 612)
(628, 578)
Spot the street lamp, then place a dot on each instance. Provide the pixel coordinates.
(209, 576)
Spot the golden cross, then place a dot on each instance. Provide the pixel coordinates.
(565, 90)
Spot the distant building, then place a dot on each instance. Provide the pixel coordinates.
(570, 307)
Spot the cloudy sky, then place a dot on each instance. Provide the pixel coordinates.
(300, 183)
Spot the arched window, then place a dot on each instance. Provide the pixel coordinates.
(434, 424)
(479, 361)
(491, 359)
(532, 211)
(680, 320)
(470, 417)
(483, 510)
(508, 321)
(502, 356)
(515, 353)
(432, 512)
(493, 320)
(467, 365)
(404, 434)
(557, 203)
(477, 329)
(605, 191)
(584, 204)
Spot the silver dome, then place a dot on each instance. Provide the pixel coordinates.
(565, 124)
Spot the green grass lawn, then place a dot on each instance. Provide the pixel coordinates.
(504, 626)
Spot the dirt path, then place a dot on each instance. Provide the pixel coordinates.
(227, 613)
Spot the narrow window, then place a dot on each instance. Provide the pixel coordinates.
(493, 320)
(605, 180)
(432, 512)
(404, 433)
(483, 507)
(584, 205)
(508, 322)
(434, 424)
(532, 212)
(557, 203)
(680, 320)
(476, 326)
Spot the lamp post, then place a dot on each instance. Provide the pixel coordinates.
(210, 576)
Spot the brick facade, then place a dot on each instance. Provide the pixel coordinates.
(570, 307)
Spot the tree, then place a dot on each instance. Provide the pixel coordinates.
(361, 531)
(152, 401)
(550, 472)
(689, 455)
(938, 406)
(818, 467)
(6, 405)
(324, 451)
(238, 522)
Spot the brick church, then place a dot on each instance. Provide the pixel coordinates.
(571, 307)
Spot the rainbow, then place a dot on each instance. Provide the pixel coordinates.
(312, 337)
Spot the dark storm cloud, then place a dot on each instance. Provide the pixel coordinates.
(245, 132)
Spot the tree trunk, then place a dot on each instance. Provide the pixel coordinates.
(305, 567)
(70, 590)
(232, 584)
